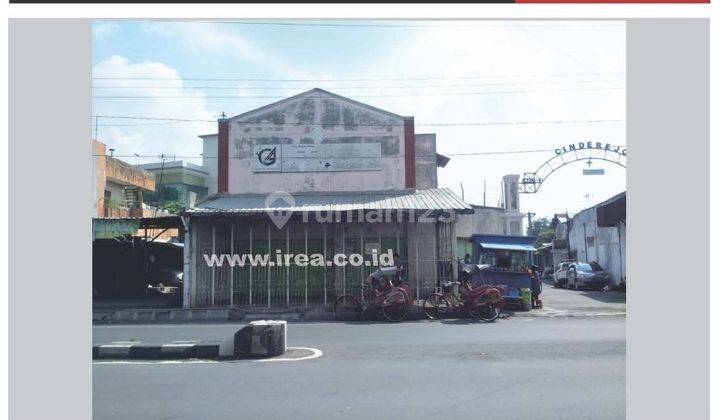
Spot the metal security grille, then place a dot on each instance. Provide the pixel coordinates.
(427, 260)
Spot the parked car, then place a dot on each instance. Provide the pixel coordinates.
(586, 275)
(560, 275)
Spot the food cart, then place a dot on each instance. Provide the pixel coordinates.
(503, 260)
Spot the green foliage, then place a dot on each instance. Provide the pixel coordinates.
(542, 229)
(174, 207)
(153, 198)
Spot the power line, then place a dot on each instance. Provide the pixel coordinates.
(364, 87)
(438, 124)
(489, 153)
(504, 152)
(500, 92)
(555, 47)
(228, 79)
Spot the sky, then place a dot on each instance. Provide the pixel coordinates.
(503, 86)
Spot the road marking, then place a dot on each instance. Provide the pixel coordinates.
(151, 362)
(315, 354)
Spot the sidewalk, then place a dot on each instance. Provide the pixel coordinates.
(564, 302)
(556, 303)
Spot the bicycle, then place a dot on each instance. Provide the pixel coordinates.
(394, 304)
(483, 302)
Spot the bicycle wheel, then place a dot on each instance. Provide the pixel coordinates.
(436, 306)
(395, 306)
(347, 307)
(488, 313)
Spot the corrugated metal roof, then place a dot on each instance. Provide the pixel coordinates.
(508, 247)
(505, 242)
(430, 199)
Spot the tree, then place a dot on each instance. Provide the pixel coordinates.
(174, 207)
(165, 193)
(542, 229)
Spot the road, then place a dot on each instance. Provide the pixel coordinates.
(516, 368)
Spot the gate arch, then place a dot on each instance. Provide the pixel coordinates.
(531, 182)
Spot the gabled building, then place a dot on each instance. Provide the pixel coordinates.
(275, 174)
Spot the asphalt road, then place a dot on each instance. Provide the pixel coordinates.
(518, 368)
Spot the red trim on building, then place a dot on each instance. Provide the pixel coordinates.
(410, 152)
(223, 152)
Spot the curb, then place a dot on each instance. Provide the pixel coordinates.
(173, 350)
(267, 338)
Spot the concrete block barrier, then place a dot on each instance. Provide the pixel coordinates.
(261, 339)
(174, 350)
(257, 339)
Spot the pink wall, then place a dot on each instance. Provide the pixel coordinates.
(307, 118)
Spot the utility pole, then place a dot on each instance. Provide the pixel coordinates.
(158, 197)
(502, 195)
(462, 191)
(529, 217)
(484, 191)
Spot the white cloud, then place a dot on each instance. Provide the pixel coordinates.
(102, 29)
(146, 137)
(496, 50)
(444, 51)
(218, 39)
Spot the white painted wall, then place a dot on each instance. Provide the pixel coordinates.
(305, 114)
(600, 244)
(209, 162)
(117, 192)
(485, 220)
(425, 161)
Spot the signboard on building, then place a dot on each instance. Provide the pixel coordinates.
(595, 171)
(331, 157)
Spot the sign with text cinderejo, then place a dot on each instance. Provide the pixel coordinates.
(591, 145)
(331, 157)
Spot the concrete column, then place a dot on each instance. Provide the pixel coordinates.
(409, 144)
(223, 154)
(188, 251)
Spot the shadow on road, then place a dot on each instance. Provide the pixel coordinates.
(606, 297)
(463, 321)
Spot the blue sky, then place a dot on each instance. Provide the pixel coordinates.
(471, 72)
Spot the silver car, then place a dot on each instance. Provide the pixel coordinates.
(586, 275)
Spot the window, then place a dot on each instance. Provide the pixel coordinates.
(584, 267)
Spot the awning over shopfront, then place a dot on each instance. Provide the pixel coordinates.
(436, 200)
(112, 227)
(505, 243)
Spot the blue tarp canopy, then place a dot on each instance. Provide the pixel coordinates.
(503, 242)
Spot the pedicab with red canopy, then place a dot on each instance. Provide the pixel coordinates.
(385, 292)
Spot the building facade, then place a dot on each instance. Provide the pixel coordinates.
(506, 220)
(119, 186)
(317, 173)
(597, 233)
(174, 180)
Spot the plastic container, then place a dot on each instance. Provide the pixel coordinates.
(526, 296)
